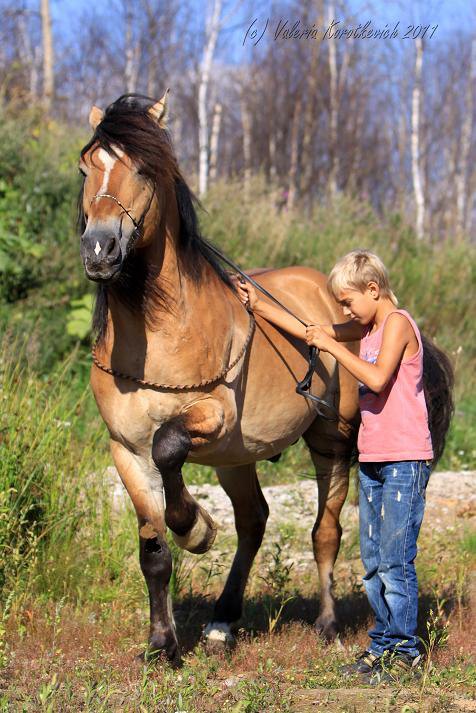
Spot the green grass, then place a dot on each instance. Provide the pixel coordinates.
(46, 486)
(468, 543)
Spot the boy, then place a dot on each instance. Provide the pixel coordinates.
(394, 442)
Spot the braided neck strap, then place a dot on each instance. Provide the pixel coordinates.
(177, 387)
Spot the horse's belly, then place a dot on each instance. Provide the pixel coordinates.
(257, 420)
(261, 425)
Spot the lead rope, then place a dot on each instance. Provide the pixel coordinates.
(326, 410)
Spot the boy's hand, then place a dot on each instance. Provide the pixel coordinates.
(246, 292)
(317, 337)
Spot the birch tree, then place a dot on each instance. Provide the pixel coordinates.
(294, 157)
(132, 52)
(48, 56)
(415, 142)
(309, 130)
(466, 132)
(246, 122)
(211, 36)
(214, 138)
(334, 108)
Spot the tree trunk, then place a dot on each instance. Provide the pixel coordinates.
(294, 159)
(215, 135)
(48, 56)
(151, 76)
(213, 26)
(310, 117)
(416, 167)
(131, 69)
(466, 130)
(333, 111)
(246, 124)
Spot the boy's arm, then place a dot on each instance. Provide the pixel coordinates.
(376, 376)
(280, 318)
(345, 332)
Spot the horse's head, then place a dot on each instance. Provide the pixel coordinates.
(121, 168)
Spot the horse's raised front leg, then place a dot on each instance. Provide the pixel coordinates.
(192, 527)
(251, 513)
(144, 486)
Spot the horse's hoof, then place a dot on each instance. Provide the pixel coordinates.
(218, 638)
(153, 656)
(200, 537)
(215, 647)
(327, 629)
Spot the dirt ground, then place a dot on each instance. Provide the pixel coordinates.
(449, 495)
(450, 502)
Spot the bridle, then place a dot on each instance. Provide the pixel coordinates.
(138, 225)
(324, 409)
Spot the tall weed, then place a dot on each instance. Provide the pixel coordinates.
(46, 493)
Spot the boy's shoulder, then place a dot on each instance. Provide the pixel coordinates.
(399, 323)
(400, 315)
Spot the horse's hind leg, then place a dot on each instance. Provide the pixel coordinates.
(329, 453)
(251, 513)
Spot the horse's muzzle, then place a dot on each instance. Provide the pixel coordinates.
(102, 255)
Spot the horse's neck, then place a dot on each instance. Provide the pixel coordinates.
(192, 341)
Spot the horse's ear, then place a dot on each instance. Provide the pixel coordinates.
(159, 110)
(95, 117)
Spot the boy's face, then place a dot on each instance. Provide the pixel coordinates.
(360, 306)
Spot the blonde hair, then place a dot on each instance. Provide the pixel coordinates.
(355, 270)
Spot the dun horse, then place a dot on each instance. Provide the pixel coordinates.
(183, 373)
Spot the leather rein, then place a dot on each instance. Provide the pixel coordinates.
(323, 408)
(303, 387)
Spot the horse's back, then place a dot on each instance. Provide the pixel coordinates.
(304, 291)
(301, 287)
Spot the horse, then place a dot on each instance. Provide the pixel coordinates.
(182, 372)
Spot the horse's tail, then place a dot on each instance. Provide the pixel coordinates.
(438, 382)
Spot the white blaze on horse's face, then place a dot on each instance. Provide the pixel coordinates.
(115, 197)
(108, 162)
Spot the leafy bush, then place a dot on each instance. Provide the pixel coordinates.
(79, 319)
(40, 269)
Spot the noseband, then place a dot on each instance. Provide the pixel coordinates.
(138, 225)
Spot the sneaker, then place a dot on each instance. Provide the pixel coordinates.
(365, 663)
(397, 665)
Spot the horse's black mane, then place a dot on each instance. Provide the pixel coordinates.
(127, 124)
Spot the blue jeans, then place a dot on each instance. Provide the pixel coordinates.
(392, 502)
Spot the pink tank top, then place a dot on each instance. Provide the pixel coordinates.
(394, 423)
